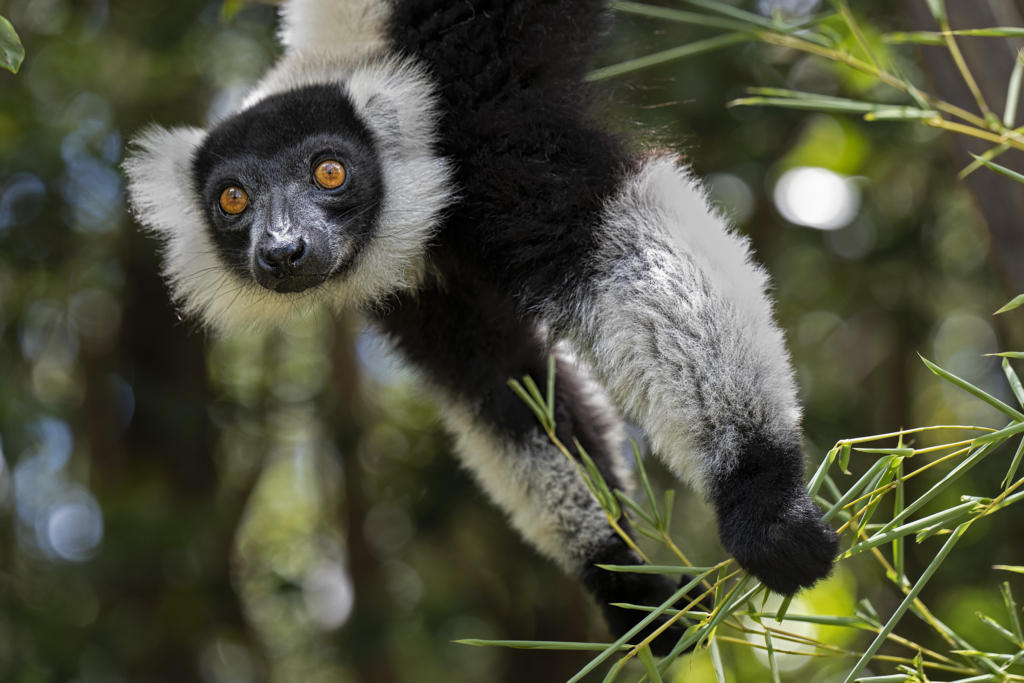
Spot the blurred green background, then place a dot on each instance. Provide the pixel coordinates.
(177, 508)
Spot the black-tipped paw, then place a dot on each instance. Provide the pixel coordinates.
(787, 550)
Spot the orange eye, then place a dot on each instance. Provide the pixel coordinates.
(329, 175)
(234, 200)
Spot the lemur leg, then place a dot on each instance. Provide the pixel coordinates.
(677, 324)
(468, 341)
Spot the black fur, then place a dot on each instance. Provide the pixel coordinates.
(533, 169)
(767, 522)
(270, 151)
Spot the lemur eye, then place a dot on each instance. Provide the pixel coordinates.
(234, 200)
(329, 175)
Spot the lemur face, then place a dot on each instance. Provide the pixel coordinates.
(290, 189)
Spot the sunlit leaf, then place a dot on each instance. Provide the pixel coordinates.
(1016, 303)
(1001, 170)
(12, 52)
(970, 388)
(650, 667)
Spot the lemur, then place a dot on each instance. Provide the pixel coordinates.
(437, 165)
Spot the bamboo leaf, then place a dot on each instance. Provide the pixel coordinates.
(844, 458)
(895, 678)
(851, 494)
(525, 397)
(674, 570)
(670, 499)
(822, 619)
(967, 386)
(819, 474)
(734, 12)
(901, 114)
(872, 650)
(902, 452)
(995, 32)
(683, 17)
(716, 662)
(1001, 170)
(681, 52)
(617, 645)
(826, 104)
(606, 497)
(991, 623)
(539, 645)
(1001, 435)
(938, 10)
(1008, 354)
(1017, 302)
(1011, 377)
(1008, 568)
(651, 500)
(1011, 609)
(647, 659)
(938, 518)
(772, 665)
(1013, 92)
(551, 388)
(898, 544)
(780, 614)
(916, 37)
(12, 52)
(640, 512)
(1012, 472)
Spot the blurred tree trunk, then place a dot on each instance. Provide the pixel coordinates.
(991, 60)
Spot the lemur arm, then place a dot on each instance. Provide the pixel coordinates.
(677, 324)
(467, 339)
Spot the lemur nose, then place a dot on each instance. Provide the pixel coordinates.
(282, 257)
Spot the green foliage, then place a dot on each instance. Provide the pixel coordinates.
(12, 52)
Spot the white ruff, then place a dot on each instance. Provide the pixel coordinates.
(395, 100)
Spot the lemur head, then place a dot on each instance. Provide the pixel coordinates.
(323, 189)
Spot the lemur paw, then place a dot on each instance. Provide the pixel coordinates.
(790, 551)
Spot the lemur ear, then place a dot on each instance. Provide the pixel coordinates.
(333, 27)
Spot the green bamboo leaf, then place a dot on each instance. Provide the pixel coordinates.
(895, 678)
(872, 650)
(866, 612)
(992, 624)
(640, 512)
(938, 10)
(670, 569)
(996, 32)
(1016, 303)
(852, 493)
(692, 614)
(898, 544)
(822, 619)
(670, 499)
(525, 397)
(819, 474)
(613, 672)
(539, 645)
(1013, 92)
(1001, 435)
(1012, 472)
(647, 659)
(12, 52)
(681, 52)
(1015, 385)
(844, 458)
(1011, 609)
(551, 388)
(772, 665)
(617, 645)
(534, 390)
(884, 480)
(1001, 170)
(683, 17)
(698, 632)
(780, 614)
(605, 497)
(902, 452)
(916, 37)
(901, 114)
(734, 12)
(989, 155)
(938, 519)
(1008, 354)
(967, 386)
(716, 662)
(1008, 568)
(651, 500)
(825, 104)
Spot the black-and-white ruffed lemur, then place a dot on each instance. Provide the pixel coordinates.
(434, 164)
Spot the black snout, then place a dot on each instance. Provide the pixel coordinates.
(282, 258)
